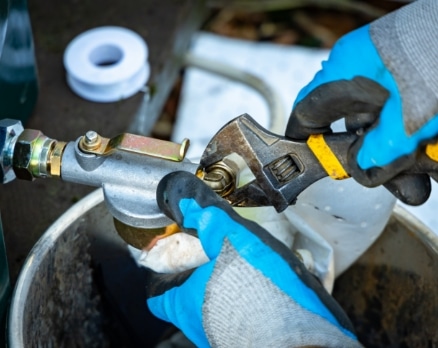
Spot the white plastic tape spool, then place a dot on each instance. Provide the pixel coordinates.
(107, 64)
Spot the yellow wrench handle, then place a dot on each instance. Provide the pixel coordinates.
(331, 163)
(326, 157)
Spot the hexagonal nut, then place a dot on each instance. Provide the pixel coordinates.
(9, 131)
(28, 142)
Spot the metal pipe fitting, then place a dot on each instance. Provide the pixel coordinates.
(90, 141)
(221, 177)
(144, 238)
(129, 181)
(9, 132)
(37, 156)
(55, 159)
(128, 167)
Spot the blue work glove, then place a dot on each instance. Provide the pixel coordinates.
(382, 79)
(252, 292)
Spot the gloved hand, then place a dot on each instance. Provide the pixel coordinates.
(382, 79)
(252, 292)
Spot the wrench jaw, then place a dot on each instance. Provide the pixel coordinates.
(281, 168)
(245, 144)
(223, 161)
(249, 195)
(221, 177)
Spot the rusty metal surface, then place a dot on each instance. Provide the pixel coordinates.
(29, 208)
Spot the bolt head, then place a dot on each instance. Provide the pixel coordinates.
(90, 141)
(9, 131)
(24, 148)
(91, 137)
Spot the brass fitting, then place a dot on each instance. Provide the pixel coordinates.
(55, 159)
(9, 131)
(143, 238)
(37, 156)
(93, 143)
(221, 177)
(90, 141)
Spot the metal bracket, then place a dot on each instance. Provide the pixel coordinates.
(93, 143)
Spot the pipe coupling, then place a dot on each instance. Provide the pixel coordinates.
(37, 156)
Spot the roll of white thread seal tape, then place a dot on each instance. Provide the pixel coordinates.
(107, 64)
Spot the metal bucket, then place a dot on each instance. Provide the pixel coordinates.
(391, 291)
(80, 287)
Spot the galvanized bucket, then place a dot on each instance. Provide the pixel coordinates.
(391, 292)
(80, 287)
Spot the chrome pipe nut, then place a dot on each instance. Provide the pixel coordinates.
(9, 131)
(31, 154)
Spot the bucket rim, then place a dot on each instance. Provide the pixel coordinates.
(427, 235)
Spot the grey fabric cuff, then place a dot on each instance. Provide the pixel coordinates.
(243, 308)
(407, 41)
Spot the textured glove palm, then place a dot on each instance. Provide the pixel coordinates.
(252, 292)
